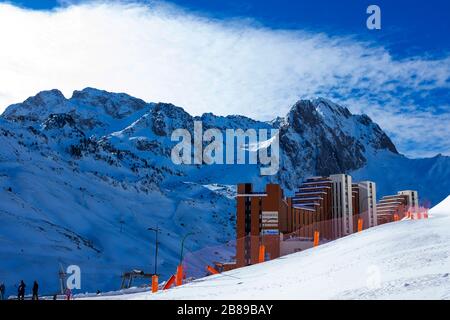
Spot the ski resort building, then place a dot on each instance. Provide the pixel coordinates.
(364, 202)
(283, 225)
(342, 204)
(270, 225)
(311, 203)
(261, 217)
(397, 205)
(413, 198)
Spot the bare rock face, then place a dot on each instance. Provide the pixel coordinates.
(319, 137)
(58, 121)
(165, 118)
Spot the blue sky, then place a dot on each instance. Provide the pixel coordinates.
(407, 92)
(410, 27)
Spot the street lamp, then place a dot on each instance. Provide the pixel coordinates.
(182, 245)
(156, 230)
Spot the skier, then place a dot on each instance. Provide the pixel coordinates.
(2, 291)
(35, 290)
(21, 291)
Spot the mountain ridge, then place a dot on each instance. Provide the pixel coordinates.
(317, 136)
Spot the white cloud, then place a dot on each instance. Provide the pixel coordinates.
(159, 53)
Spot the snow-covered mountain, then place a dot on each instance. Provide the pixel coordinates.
(82, 179)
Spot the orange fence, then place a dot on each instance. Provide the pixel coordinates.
(262, 253)
(154, 283)
(316, 238)
(211, 270)
(169, 283)
(179, 276)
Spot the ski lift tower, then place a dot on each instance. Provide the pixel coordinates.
(62, 279)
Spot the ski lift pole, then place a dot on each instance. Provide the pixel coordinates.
(156, 230)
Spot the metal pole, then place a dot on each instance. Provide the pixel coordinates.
(156, 230)
(182, 246)
(156, 251)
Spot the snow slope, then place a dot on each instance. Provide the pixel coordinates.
(396, 172)
(409, 259)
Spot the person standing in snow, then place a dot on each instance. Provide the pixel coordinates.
(21, 291)
(35, 291)
(68, 294)
(2, 291)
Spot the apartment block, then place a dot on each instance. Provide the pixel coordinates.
(283, 225)
(368, 203)
(399, 204)
(413, 198)
(312, 203)
(389, 206)
(307, 209)
(342, 209)
(261, 216)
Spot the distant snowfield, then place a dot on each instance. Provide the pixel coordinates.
(409, 259)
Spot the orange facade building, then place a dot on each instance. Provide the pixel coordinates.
(261, 217)
(311, 204)
(282, 225)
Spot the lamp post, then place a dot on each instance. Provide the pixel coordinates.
(156, 230)
(182, 245)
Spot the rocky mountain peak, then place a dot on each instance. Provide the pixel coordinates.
(320, 134)
(37, 107)
(116, 105)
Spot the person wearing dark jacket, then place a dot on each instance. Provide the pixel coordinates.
(2, 291)
(21, 291)
(35, 291)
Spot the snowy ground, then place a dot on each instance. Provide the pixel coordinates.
(409, 259)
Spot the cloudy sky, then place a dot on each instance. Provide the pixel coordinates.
(254, 57)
